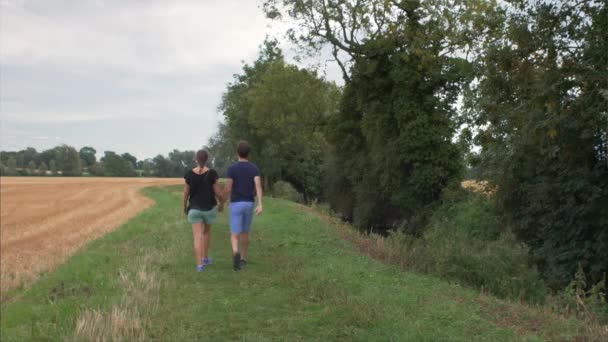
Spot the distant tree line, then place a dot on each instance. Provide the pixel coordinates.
(65, 160)
(510, 92)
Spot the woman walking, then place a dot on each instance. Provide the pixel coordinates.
(200, 192)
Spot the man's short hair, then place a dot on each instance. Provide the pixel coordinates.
(243, 149)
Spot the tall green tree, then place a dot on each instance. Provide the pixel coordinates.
(281, 110)
(31, 168)
(87, 154)
(393, 135)
(68, 160)
(540, 105)
(115, 166)
(53, 167)
(42, 168)
(11, 166)
(129, 158)
(162, 166)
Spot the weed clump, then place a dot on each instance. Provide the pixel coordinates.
(286, 191)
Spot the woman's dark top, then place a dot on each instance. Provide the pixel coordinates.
(201, 194)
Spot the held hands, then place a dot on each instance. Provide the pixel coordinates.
(258, 209)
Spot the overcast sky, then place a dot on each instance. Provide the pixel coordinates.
(130, 76)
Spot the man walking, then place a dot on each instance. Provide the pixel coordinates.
(244, 185)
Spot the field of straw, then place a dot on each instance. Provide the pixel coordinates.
(44, 220)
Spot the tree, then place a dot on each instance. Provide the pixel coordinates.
(42, 168)
(280, 110)
(96, 169)
(540, 106)
(115, 166)
(87, 154)
(31, 168)
(129, 158)
(69, 160)
(146, 166)
(288, 110)
(11, 166)
(181, 161)
(393, 134)
(53, 167)
(162, 166)
(221, 150)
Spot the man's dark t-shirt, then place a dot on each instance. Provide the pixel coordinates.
(243, 186)
(201, 194)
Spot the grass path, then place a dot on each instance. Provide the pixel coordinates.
(302, 283)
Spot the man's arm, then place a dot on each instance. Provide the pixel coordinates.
(186, 193)
(258, 191)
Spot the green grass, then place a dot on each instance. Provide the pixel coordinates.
(303, 282)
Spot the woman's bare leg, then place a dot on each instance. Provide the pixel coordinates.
(197, 234)
(205, 240)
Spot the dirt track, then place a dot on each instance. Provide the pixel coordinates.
(44, 219)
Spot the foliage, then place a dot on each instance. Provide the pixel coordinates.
(65, 160)
(588, 304)
(393, 133)
(286, 191)
(222, 151)
(280, 110)
(53, 167)
(466, 241)
(114, 165)
(129, 158)
(42, 168)
(68, 160)
(541, 108)
(87, 154)
(31, 168)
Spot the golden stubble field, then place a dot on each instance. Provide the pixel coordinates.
(44, 220)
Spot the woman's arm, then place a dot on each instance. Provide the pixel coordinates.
(186, 193)
(217, 192)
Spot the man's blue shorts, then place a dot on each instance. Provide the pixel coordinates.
(241, 214)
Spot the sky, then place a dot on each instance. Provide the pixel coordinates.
(134, 76)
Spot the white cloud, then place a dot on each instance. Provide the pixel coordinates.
(146, 36)
(138, 76)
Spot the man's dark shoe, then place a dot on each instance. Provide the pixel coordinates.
(243, 262)
(236, 262)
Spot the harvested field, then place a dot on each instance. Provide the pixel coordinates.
(44, 220)
(478, 186)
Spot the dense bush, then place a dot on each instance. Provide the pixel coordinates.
(286, 191)
(467, 242)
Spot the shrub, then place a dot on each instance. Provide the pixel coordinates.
(575, 298)
(501, 266)
(473, 214)
(286, 191)
(465, 242)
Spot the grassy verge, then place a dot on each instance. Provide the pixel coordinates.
(303, 282)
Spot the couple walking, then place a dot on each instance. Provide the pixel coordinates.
(202, 194)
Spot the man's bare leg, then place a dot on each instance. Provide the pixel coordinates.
(244, 245)
(236, 258)
(234, 241)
